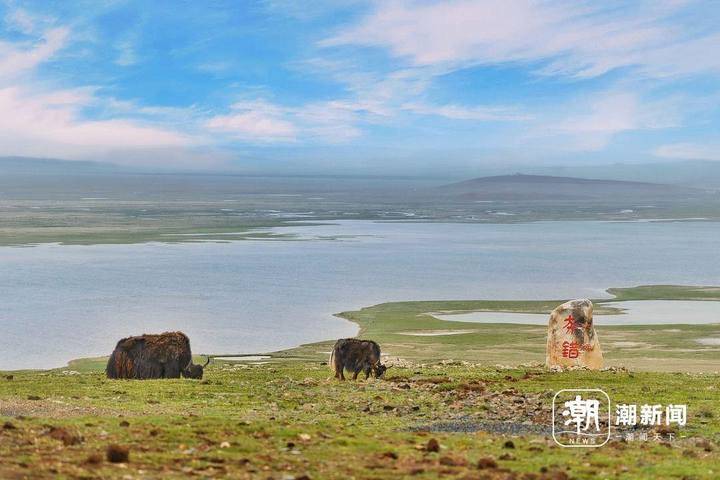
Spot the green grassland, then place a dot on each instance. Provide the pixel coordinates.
(291, 420)
(288, 418)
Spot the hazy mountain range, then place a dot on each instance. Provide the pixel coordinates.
(704, 174)
(541, 187)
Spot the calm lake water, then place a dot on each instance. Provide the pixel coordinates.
(63, 302)
(648, 312)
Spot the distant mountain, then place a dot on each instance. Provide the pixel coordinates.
(541, 187)
(695, 173)
(47, 166)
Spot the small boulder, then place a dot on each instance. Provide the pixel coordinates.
(487, 463)
(572, 340)
(67, 437)
(118, 454)
(432, 446)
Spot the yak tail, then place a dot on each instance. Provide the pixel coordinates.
(332, 362)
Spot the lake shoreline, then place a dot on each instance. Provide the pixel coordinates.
(393, 326)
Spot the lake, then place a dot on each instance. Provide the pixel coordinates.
(642, 312)
(62, 302)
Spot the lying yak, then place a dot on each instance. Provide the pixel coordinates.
(143, 357)
(356, 356)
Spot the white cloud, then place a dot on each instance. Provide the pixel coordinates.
(460, 112)
(260, 121)
(591, 125)
(255, 121)
(381, 98)
(20, 20)
(39, 120)
(16, 60)
(580, 39)
(689, 151)
(51, 124)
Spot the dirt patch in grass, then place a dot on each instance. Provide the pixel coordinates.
(48, 409)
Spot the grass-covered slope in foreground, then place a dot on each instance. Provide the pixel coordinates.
(289, 419)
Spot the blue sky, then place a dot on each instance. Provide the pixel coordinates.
(350, 86)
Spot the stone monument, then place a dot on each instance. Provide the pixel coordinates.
(572, 340)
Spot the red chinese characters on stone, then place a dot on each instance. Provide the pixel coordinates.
(573, 349)
(570, 350)
(570, 324)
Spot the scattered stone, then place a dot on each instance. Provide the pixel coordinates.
(665, 429)
(432, 446)
(689, 453)
(94, 459)
(506, 456)
(305, 437)
(225, 445)
(705, 445)
(557, 475)
(118, 454)
(572, 340)
(452, 461)
(615, 370)
(66, 437)
(487, 462)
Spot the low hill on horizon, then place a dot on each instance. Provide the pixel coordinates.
(541, 187)
(52, 166)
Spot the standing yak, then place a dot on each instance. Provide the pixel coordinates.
(356, 356)
(143, 357)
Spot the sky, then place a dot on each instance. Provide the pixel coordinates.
(360, 87)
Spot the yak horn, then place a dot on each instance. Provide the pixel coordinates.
(208, 361)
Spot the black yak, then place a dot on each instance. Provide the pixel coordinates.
(356, 356)
(143, 357)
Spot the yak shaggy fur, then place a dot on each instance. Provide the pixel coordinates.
(166, 355)
(356, 356)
